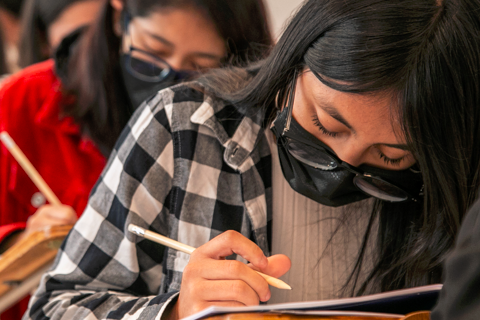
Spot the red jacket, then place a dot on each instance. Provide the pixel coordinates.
(68, 162)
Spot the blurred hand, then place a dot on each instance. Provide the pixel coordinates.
(50, 215)
(209, 279)
(47, 215)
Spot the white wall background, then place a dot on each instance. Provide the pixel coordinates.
(279, 13)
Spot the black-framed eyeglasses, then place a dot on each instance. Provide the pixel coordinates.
(319, 156)
(149, 67)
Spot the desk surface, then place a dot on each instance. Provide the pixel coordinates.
(23, 264)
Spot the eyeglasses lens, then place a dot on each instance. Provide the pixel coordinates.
(313, 157)
(321, 160)
(147, 66)
(380, 189)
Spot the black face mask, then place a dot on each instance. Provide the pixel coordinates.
(140, 90)
(331, 187)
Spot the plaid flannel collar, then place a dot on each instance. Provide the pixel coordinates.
(238, 146)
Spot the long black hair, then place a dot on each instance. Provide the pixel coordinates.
(425, 52)
(102, 106)
(12, 6)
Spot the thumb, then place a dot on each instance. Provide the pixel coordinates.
(277, 266)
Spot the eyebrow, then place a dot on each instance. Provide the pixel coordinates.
(161, 39)
(337, 116)
(397, 146)
(170, 44)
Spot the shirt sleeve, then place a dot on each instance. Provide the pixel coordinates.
(102, 271)
(460, 296)
(10, 229)
(6, 230)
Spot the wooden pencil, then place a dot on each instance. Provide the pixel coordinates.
(147, 234)
(29, 168)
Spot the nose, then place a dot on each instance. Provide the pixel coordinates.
(351, 153)
(176, 62)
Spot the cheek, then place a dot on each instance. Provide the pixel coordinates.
(305, 120)
(304, 114)
(409, 161)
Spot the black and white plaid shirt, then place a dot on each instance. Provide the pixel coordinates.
(188, 166)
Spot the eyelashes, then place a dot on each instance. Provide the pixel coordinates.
(386, 160)
(318, 124)
(389, 161)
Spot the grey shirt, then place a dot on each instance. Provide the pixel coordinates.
(322, 242)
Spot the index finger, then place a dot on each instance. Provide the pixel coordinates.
(61, 212)
(231, 242)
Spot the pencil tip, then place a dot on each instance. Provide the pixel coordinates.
(285, 286)
(280, 284)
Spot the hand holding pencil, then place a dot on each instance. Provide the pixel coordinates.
(47, 215)
(209, 279)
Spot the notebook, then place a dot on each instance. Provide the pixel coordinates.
(391, 304)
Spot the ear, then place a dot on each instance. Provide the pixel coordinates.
(117, 5)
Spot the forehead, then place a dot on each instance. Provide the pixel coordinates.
(369, 114)
(183, 27)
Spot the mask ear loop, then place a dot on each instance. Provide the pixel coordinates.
(286, 96)
(289, 102)
(125, 17)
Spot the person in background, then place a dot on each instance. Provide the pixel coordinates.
(66, 114)
(10, 25)
(460, 297)
(44, 23)
(366, 106)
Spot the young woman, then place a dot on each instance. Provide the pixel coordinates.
(365, 98)
(68, 126)
(45, 23)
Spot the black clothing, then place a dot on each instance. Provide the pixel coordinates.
(460, 296)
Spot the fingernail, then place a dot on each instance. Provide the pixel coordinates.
(268, 296)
